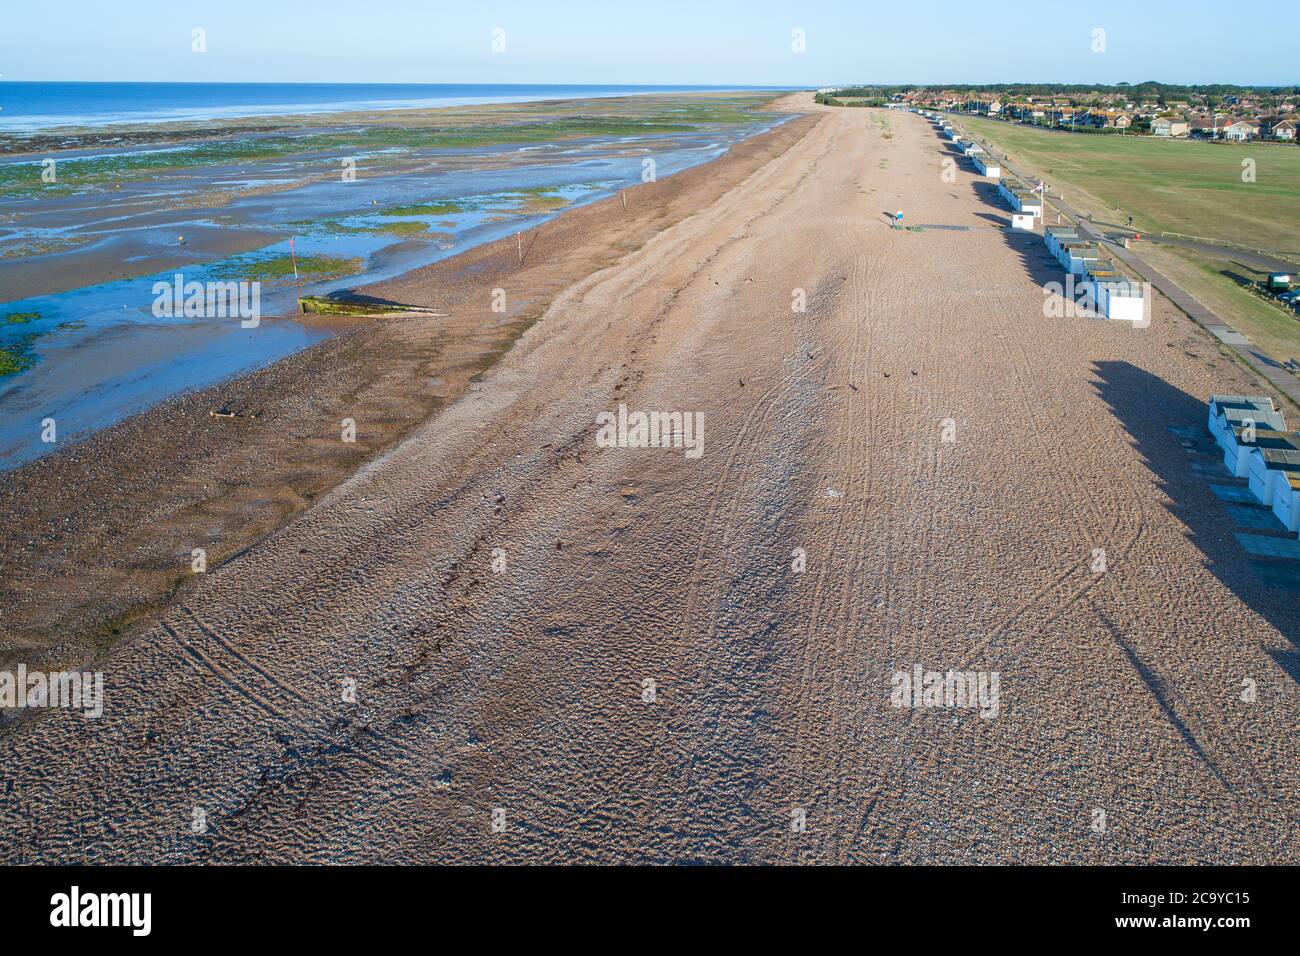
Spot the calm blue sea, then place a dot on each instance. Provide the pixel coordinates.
(27, 107)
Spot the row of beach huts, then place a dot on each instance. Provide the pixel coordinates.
(1110, 294)
(1256, 446)
(1021, 197)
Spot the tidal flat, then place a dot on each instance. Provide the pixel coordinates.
(92, 219)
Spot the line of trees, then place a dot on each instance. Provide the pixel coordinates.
(827, 99)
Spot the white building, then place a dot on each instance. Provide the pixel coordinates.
(1286, 499)
(1236, 450)
(1240, 131)
(1237, 442)
(1231, 411)
(1078, 257)
(987, 167)
(1264, 463)
(1027, 203)
(1170, 127)
(1020, 198)
(1117, 298)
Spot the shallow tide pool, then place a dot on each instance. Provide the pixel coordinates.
(89, 356)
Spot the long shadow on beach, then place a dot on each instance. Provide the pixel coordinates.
(1167, 427)
(1041, 266)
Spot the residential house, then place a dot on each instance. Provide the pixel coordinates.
(1109, 119)
(1278, 127)
(1025, 112)
(1240, 131)
(1170, 126)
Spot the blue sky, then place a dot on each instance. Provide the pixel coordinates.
(658, 41)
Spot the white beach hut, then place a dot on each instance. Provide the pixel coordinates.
(1027, 202)
(1078, 257)
(1117, 298)
(1286, 499)
(1229, 411)
(1263, 466)
(1238, 440)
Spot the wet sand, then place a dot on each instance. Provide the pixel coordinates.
(646, 678)
(98, 534)
(80, 257)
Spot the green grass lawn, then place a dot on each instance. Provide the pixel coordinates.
(1216, 282)
(1166, 185)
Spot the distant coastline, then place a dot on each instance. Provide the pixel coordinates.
(29, 106)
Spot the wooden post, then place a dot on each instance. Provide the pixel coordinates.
(297, 282)
(519, 242)
(623, 196)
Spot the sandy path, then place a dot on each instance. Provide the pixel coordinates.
(522, 691)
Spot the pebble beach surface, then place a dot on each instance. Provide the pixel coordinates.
(497, 640)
